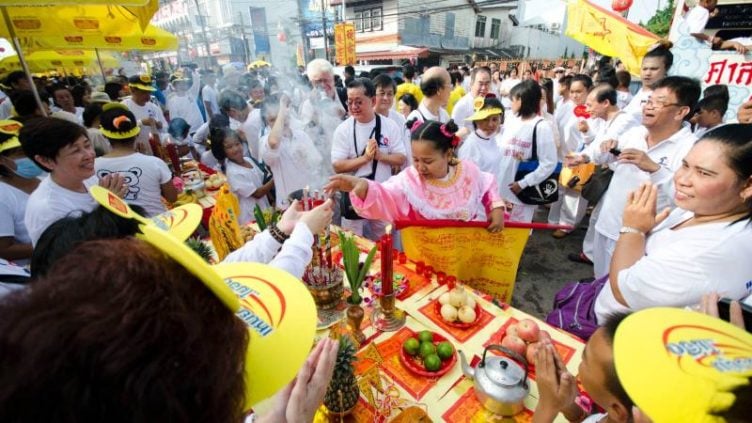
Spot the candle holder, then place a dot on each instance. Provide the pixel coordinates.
(387, 317)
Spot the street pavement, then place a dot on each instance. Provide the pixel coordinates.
(544, 268)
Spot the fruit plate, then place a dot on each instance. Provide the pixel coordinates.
(458, 324)
(415, 364)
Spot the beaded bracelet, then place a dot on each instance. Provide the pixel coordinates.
(277, 234)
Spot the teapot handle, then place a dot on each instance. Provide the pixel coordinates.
(509, 353)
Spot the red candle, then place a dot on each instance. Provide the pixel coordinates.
(402, 258)
(420, 266)
(441, 277)
(387, 280)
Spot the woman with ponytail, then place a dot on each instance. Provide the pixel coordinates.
(148, 178)
(437, 186)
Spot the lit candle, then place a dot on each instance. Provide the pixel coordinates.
(386, 262)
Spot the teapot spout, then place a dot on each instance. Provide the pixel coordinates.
(466, 369)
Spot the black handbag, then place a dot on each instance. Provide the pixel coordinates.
(597, 185)
(345, 205)
(547, 191)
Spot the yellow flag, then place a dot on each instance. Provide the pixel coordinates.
(608, 33)
(482, 260)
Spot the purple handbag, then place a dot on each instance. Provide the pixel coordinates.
(574, 307)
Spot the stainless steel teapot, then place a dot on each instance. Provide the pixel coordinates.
(500, 382)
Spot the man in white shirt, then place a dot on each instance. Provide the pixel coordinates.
(651, 152)
(697, 18)
(149, 115)
(63, 99)
(385, 88)
(209, 94)
(357, 147)
(480, 83)
(436, 87)
(507, 84)
(182, 102)
(655, 66)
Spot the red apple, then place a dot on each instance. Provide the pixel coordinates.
(531, 350)
(528, 330)
(514, 343)
(512, 330)
(545, 337)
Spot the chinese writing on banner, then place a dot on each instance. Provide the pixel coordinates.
(344, 43)
(485, 261)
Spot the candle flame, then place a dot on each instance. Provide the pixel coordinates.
(388, 229)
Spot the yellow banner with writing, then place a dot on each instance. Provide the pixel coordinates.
(344, 43)
(482, 260)
(608, 33)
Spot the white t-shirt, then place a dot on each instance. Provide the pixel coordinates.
(424, 114)
(209, 95)
(12, 209)
(681, 265)
(50, 202)
(148, 110)
(696, 19)
(185, 106)
(594, 418)
(485, 153)
(609, 130)
(144, 176)
(516, 144)
(243, 183)
(634, 108)
(463, 109)
(343, 146)
(628, 177)
(400, 121)
(623, 98)
(293, 163)
(252, 130)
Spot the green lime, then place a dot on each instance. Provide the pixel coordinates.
(411, 346)
(445, 350)
(432, 363)
(425, 336)
(427, 348)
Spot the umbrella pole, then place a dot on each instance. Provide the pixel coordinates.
(101, 68)
(21, 59)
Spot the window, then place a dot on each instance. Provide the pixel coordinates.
(480, 26)
(367, 20)
(495, 28)
(449, 25)
(358, 21)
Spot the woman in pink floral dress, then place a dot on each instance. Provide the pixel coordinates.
(437, 186)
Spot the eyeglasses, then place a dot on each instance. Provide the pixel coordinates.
(354, 103)
(658, 104)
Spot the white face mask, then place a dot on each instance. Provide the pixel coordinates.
(485, 134)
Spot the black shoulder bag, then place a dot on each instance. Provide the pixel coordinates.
(345, 205)
(546, 192)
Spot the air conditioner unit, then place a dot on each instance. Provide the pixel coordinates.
(555, 27)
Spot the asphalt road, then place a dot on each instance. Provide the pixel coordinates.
(544, 268)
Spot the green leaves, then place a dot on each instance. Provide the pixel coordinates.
(350, 258)
(259, 215)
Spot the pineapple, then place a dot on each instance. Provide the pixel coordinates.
(201, 249)
(342, 393)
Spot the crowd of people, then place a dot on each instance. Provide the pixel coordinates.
(669, 223)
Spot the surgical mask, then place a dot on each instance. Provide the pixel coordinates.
(26, 168)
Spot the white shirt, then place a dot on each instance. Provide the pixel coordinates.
(209, 95)
(609, 130)
(463, 109)
(696, 19)
(293, 163)
(292, 256)
(50, 202)
(184, 106)
(628, 177)
(483, 152)
(634, 108)
(400, 121)
(424, 114)
(252, 130)
(148, 110)
(516, 143)
(681, 265)
(144, 176)
(623, 98)
(594, 418)
(12, 209)
(243, 183)
(343, 146)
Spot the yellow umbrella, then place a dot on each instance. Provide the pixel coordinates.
(151, 39)
(258, 64)
(75, 20)
(43, 61)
